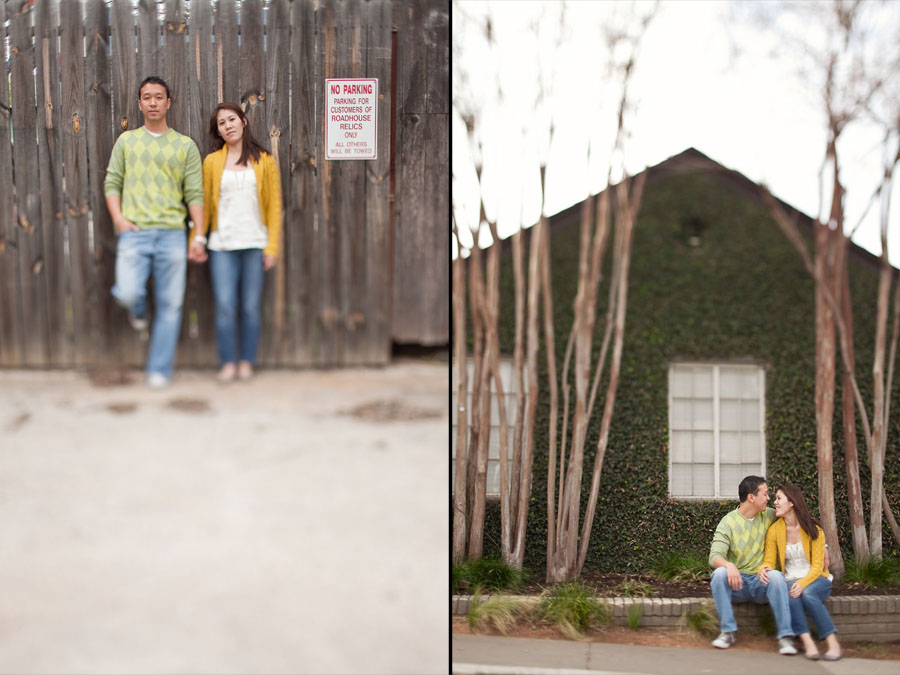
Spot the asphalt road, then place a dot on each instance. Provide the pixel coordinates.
(291, 524)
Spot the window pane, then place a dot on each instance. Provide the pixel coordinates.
(730, 415)
(681, 414)
(754, 470)
(703, 414)
(730, 477)
(751, 448)
(512, 408)
(494, 447)
(730, 382)
(750, 384)
(704, 480)
(681, 480)
(703, 382)
(493, 477)
(729, 447)
(681, 382)
(681, 446)
(750, 415)
(703, 447)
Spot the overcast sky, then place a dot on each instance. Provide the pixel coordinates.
(744, 108)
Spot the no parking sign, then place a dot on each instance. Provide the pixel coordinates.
(351, 114)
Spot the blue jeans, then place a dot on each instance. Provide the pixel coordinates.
(162, 253)
(775, 593)
(236, 272)
(812, 601)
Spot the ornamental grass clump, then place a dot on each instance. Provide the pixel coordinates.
(490, 574)
(501, 613)
(635, 613)
(573, 609)
(681, 567)
(702, 620)
(876, 572)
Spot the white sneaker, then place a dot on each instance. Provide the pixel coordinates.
(139, 323)
(786, 646)
(157, 381)
(724, 641)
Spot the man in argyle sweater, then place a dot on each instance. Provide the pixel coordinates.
(736, 555)
(153, 173)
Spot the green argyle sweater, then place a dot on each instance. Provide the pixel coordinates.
(155, 176)
(741, 541)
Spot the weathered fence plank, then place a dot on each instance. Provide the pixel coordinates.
(376, 345)
(11, 340)
(32, 281)
(301, 255)
(328, 301)
(276, 93)
(227, 50)
(61, 350)
(99, 123)
(150, 56)
(421, 226)
(84, 285)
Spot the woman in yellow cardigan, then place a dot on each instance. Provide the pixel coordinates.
(242, 210)
(797, 541)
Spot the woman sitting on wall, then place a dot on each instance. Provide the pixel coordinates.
(798, 542)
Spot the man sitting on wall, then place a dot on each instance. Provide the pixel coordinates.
(736, 555)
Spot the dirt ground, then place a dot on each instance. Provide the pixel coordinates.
(247, 528)
(666, 637)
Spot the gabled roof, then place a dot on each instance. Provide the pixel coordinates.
(693, 161)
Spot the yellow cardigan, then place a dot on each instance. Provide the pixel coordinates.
(268, 189)
(776, 540)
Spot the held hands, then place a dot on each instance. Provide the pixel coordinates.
(197, 252)
(796, 590)
(734, 577)
(764, 575)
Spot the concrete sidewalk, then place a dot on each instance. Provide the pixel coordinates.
(291, 524)
(489, 655)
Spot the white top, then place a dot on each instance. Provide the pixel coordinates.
(796, 566)
(239, 224)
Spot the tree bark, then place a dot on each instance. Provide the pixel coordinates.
(477, 442)
(462, 412)
(859, 537)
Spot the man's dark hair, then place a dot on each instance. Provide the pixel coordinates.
(154, 79)
(749, 486)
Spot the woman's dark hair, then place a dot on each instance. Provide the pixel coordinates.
(250, 149)
(807, 523)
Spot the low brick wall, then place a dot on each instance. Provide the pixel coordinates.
(870, 618)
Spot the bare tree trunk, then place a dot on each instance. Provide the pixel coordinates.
(462, 412)
(478, 443)
(626, 214)
(550, 345)
(895, 330)
(859, 537)
(879, 423)
(534, 258)
(518, 372)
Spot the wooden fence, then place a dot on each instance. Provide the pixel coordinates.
(364, 256)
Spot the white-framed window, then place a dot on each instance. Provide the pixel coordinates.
(716, 428)
(509, 391)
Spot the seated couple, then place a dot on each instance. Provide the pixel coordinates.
(748, 543)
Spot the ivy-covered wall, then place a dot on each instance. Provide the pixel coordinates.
(742, 293)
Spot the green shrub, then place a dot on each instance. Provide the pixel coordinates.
(455, 578)
(703, 620)
(635, 613)
(573, 608)
(677, 566)
(873, 573)
(499, 612)
(491, 574)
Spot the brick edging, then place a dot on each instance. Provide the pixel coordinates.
(874, 618)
